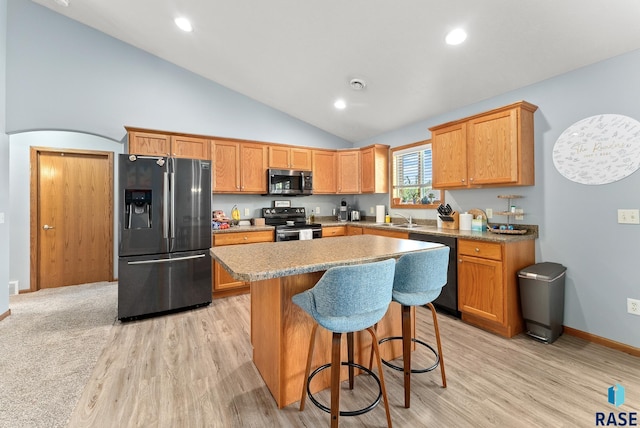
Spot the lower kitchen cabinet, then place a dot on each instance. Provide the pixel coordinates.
(224, 284)
(331, 231)
(354, 230)
(488, 295)
(388, 233)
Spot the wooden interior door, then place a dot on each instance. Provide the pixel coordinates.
(71, 218)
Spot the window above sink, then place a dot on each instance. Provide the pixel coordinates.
(411, 187)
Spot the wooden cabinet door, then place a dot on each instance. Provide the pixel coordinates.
(253, 168)
(289, 157)
(449, 148)
(324, 171)
(354, 230)
(375, 169)
(222, 279)
(481, 288)
(349, 171)
(226, 170)
(279, 157)
(147, 143)
(492, 148)
(190, 147)
(300, 158)
(331, 231)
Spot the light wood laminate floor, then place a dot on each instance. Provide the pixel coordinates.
(194, 369)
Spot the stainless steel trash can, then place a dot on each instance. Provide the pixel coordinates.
(542, 299)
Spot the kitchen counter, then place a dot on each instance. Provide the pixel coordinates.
(426, 227)
(431, 229)
(280, 330)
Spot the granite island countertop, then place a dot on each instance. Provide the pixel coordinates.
(267, 260)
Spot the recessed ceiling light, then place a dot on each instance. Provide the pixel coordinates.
(184, 24)
(340, 104)
(455, 37)
(64, 3)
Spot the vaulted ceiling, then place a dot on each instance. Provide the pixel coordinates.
(299, 56)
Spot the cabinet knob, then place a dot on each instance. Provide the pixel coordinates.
(462, 180)
(459, 260)
(477, 250)
(246, 237)
(470, 178)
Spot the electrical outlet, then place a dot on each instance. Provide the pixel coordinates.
(519, 214)
(372, 210)
(247, 213)
(489, 213)
(317, 210)
(633, 306)
(629, 216)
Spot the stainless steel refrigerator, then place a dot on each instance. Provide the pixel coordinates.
(165, 235)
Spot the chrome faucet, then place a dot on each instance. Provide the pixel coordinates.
(408, 219)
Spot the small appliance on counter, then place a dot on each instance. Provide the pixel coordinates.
(354, 215)
(343, 214)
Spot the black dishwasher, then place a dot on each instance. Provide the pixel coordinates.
(448, 298)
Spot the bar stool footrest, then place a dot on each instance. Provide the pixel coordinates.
(398, 368)
(350, 412)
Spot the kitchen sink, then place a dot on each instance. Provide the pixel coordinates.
(408, 226)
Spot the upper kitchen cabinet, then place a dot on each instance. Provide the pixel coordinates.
(348, 171)
(323, 166)
(239, 167)
(491, 149)
(284, 157)
(375, 169)
(148, 142)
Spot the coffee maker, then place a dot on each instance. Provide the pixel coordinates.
(343, 213)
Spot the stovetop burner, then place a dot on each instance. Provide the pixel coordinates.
(279, 216)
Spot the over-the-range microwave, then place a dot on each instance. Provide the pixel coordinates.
(289, 182)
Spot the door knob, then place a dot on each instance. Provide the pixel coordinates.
(47, 227)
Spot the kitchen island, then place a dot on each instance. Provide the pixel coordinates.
(280, 330)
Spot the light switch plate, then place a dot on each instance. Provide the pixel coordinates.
(247, 212)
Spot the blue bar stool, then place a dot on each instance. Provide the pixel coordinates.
(419, 279)
(345, 300)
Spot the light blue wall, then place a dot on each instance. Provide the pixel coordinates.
(4, 169)
(578, 223)
(67, 76)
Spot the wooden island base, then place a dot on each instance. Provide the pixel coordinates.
(280, 333)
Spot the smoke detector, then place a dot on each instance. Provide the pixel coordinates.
(357, 84)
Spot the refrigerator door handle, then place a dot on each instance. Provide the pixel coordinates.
(165, 207)
(177, 259)
(173, 207)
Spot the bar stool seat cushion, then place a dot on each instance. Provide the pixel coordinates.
(340, 304)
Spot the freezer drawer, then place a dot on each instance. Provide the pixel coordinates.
(149, 285)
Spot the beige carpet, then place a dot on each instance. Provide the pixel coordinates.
(48, 349)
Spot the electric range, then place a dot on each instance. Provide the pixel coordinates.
(291, 223)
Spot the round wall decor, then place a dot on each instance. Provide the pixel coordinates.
(599, 149)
